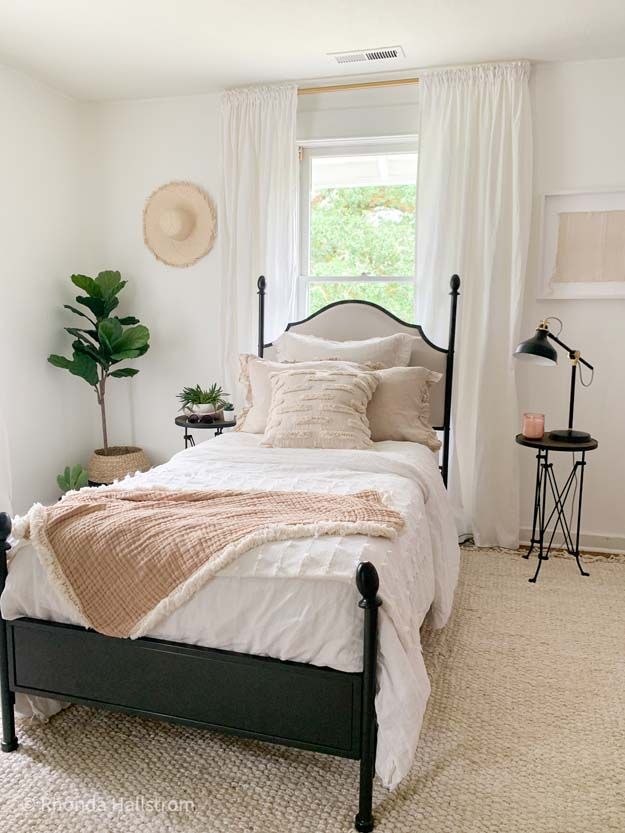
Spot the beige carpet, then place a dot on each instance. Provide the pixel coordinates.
(525, 733)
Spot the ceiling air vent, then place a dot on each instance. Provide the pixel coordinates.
(381, 53)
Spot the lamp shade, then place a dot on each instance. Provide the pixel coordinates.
(537, 349)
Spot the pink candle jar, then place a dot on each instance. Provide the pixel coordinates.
(533, 426)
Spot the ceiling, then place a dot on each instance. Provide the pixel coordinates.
(106, 49)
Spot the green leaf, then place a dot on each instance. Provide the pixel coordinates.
(85, 367)
(80, 365)
(60, 361)
(88, 285)
(78, 312)
(96, 305)
(77, 332)
(110, 332)
(109, 283)
(134, 338)
(123, 371)
(127, 320)
(123, 344)
(127, 354)
(82, 480)
(102, 359)
(62, 483)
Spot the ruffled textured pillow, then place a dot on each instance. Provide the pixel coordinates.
(320, 409)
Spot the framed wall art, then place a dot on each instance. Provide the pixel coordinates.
(583, 245)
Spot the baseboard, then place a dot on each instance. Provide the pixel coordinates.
(589, 541)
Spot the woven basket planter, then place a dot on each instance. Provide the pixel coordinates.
(114, 463)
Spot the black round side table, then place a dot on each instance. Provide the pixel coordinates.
(217, 427)
(545, 478)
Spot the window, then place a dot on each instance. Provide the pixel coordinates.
(358, 225)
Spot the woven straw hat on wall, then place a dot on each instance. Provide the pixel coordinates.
(179, 224)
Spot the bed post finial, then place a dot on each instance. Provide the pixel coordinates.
(5, 530)
(368, 583)
(261, 283)
(9, 741)
(454, 283)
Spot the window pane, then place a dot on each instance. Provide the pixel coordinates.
(397, 298)
(362, 215)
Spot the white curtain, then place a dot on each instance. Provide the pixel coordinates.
(473, 217)
(258, 217)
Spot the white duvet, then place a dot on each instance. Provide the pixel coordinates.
(297, 600)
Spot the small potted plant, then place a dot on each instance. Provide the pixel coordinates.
(197, 400)
(228, 412)
(97, 349)
(72, 479)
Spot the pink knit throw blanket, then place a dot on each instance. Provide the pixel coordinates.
(124, 559)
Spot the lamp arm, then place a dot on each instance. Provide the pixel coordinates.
(568, 350)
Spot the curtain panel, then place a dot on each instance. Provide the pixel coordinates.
(258, 217)
(473, 218)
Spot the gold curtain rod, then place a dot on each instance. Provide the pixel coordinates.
(362, 85)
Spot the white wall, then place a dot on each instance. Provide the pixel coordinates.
(136, 147)
(579, 125)
(50, 416)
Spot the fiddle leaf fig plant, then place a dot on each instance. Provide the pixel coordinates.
(106, 340)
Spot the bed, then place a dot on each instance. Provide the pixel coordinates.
(294, 652)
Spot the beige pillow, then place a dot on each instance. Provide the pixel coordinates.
(254, 377)
(400, 407)
(390, 351)
(320, 409)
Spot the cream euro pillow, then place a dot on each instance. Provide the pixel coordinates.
(254, 377)
(390, 351)
(400, 407)
(320, 409)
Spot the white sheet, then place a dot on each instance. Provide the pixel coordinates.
(297, 600)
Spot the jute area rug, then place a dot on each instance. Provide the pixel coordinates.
(525, 733)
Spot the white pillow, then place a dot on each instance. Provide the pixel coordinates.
(320, 409)
(255, 378)
(390, 351)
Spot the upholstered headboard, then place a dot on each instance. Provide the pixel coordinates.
(355, 320)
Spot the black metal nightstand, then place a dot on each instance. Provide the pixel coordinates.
(545, 477)
(217, 427)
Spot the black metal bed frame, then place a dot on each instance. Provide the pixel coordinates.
(288, 703)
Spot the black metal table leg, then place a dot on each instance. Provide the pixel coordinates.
(582, 465)
(544, 463)
(534, 540)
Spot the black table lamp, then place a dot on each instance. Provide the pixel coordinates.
(538, 350)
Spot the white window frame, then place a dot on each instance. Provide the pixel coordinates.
(308, 150)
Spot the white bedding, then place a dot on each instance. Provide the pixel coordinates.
(297, 600)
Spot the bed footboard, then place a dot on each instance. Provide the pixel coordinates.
(288, 703)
